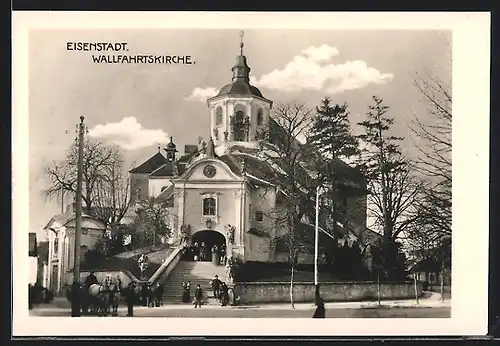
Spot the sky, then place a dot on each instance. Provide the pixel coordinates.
(138, 107)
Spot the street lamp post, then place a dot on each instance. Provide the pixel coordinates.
(75, 289)
(316, 250)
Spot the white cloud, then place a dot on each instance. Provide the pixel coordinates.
(128, 134)
(313, 69)
(202, 94)
(321, 53)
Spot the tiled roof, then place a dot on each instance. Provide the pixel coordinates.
(259, 233)
(165, 194)
(153, 163)
(63, 219)
(305, 236)
(167, 170)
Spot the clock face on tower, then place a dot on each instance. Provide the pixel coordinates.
(209, 171)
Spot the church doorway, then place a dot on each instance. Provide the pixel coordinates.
(209, 245)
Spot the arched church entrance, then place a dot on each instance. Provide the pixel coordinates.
(209, 246)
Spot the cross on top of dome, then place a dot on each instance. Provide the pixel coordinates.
(242, 33)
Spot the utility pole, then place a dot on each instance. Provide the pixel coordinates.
(75, 289)
(316, 250)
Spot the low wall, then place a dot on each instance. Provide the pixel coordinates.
(167, 266)
(275, 292)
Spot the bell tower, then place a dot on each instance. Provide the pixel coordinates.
(239, 111)
(171, 149)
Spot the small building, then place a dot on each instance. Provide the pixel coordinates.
(61, 245)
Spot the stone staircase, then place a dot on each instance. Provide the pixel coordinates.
(199, 273)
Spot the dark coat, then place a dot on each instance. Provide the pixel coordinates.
(198, 294)
(320, 311)
(215, 284)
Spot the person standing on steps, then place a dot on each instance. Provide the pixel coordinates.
(198, 297)
(185, 298)
(215, 284)
(215, 255)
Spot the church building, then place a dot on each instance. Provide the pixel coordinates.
(223, 191)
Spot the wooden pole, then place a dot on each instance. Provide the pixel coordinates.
(415, 284)
(75, 306)
(316, 251)
(378, 287)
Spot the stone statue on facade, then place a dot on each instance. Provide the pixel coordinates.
(230, 271)
(185, 234)
(216, 133)
(202, 145)
(230, 233)
(226, 135)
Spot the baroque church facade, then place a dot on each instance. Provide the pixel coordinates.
(223, 191)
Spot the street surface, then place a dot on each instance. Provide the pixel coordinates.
(270, 312)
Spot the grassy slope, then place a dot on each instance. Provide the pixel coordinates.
(128, 260)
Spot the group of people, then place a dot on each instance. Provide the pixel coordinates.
(219, 289)
(201, 252)
(186, 294)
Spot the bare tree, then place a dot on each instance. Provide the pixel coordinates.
(282, 151)
(102, 166)
(434, 160)
(113, 193)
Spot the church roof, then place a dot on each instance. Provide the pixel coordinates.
(165, 194)
(240, 88)
(152, 164)
(167, 170)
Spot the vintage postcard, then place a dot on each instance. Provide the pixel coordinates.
(252, 167)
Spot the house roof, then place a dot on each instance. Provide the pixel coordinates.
(63, 219)
(153, 163)
(305, 236)
(165, 194)
(167, 170)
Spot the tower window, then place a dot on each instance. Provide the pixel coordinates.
(260, 117)
(259, 216)
(209, 206)
(239, 126)
(218, 116)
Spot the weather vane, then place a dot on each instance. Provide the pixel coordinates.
(241, 43)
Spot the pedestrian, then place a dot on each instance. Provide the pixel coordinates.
(185, 297)
(215, 284)
(198, 296)
(215, 255)
(320, 310)
(225, 294)
(144, 294)
(196, 256)
(188, 288)
(203, 252)
(159, 295)
(130, 297)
